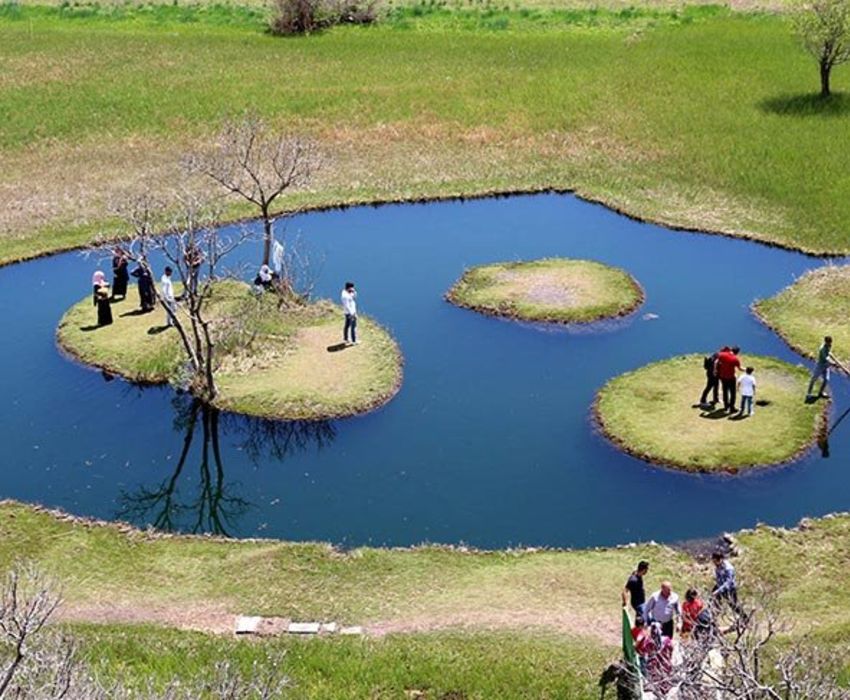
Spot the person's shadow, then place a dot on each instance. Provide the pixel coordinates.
(337, 347)
(156, 330)
(89, 329)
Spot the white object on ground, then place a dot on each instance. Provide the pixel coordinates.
(247, 625)
(303, 628)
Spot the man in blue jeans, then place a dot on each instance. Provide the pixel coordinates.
(349, 306)
(821, 371)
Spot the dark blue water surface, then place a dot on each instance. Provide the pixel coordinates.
(490, 440)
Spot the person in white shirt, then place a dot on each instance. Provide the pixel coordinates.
(663, 607)
(167, 293)
(349, 306)
(747, 385)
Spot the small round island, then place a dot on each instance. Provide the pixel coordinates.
(652, 413)
(551, 290)
(281, 364)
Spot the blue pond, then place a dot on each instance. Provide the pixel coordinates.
(490, 441)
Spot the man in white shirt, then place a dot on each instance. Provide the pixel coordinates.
(349, 306)
(167, 293)
(747, 385)
(663, 607)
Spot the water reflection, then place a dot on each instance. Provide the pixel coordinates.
(211, 504)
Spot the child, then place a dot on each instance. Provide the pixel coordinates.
(747, 384)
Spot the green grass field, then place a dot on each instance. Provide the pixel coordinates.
(525, 624)
(555, 290)
(653, 413)
(693, 116)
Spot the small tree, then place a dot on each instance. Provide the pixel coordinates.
(257, 165)
(184, 232)
(824, 28)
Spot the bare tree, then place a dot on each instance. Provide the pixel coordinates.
(252, 162)
(27, 602)
(824, 28)
(183, 230)
(38, 664)
(739, 653)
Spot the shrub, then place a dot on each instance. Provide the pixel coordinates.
(305, 16)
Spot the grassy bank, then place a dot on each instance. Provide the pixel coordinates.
(652, 413)
(816, 305)
(287, 363)
(443, 666)
(537, 623)
(554, 290)
(695, 116)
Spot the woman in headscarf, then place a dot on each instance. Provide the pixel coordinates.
(100, 297)
(120, 274)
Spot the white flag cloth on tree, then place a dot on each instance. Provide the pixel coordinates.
(277, 256)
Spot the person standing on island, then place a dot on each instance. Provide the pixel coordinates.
(167, 292)
(349, 306)
(821, 371)
(147, 298)
(727, 364)
(712, 383)
(747, 384)
(633, 592)
(100, 297)
(120, 275)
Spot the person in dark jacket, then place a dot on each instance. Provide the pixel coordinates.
(712, 381)
(147, 295)
(120, 274)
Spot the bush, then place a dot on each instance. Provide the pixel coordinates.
(305, 16)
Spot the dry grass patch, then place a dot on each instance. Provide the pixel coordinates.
(554, 290)
(294, 368)
(816, 305)
(650, 413)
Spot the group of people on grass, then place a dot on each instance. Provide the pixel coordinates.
(661, 617)
(264, 281)
(721, 371)
(103, 297)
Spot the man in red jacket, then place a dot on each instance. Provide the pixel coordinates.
(727, 364)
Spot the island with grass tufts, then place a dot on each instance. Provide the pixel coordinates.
(816, 305)
(552, 290)
(653, 414)
(283, 363)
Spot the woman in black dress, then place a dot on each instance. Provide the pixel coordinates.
(120, 274)
(100, 297)
(147, 296)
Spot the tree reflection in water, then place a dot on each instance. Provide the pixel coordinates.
(216, 506)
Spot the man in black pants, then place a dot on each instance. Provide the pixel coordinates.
(712, 383)
(727, 365)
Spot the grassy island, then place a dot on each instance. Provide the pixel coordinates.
(816, 305)
(283, 363)
(556, 290)
(651, 413)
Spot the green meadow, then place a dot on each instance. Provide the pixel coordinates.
(695, 116)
